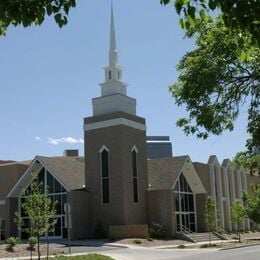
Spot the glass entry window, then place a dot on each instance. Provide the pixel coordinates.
(184, 206)
(58, 195)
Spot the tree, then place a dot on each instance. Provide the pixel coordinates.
(252, 204)
(251, 162)
(210, 215)
(28, 12)
(236, 14)
(214, 82)
(38, 210)
(238, 215)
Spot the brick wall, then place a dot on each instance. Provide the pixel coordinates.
(127, 231)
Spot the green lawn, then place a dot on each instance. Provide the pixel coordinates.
(85, 257)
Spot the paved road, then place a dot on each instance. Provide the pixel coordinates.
(247, 253)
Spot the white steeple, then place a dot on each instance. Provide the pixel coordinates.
(113, 72)
(113, 91)
(112, 47)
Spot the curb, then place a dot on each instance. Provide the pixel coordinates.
(242, 246)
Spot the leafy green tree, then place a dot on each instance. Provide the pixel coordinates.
(210, 215)
(236, 14)
(238, 215)
(214, 82)
(252, 204)
(39, 211)
(29, 12)
(251, 162)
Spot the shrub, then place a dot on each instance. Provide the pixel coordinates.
(181, 246)
(149, 239)
(32, 242)
(157, 231)
(208, 245)
(136, 241)
(12, 242)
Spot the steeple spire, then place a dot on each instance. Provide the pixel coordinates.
(112, 47)
(113, 90)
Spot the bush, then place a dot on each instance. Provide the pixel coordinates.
(32, 241)
(181, 246)
(208, 245)
(149, 239)
(136, 241)
(100, 230)
(12, 242)
(157, 231)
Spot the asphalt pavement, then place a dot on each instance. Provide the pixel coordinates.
(141, 253)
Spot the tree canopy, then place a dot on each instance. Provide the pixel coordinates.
(214, 82)
(237, 14)
(238, 215)
(249, 161)
(211, 215)
(252, 204)
(28, 12)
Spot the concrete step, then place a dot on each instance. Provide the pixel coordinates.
(202, 237)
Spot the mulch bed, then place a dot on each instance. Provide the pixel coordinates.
(153, 243)
(23, 250)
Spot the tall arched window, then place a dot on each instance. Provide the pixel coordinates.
(105, 176)
(135, 175)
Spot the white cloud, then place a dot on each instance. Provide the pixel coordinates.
(37, 138)
(68, 140)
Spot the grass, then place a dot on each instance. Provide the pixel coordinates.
(84, 257)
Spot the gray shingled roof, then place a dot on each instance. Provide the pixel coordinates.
(162, 173)
(69, 170)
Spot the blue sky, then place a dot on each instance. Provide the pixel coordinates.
(48, 77)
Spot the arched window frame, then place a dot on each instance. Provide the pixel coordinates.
(104, 179)
(134, 152)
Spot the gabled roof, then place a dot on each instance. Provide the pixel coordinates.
(163, 173)
(68, 170)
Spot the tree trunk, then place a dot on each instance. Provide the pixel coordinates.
(239, 235)
(209, 238)
(38, 247)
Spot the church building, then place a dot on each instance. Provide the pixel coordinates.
(124, 182)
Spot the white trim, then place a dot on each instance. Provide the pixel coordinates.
(103, 148)
(134, 149)
(115, 122)
(2, 202)
(25, 180)
(18, 183)
(189, 177)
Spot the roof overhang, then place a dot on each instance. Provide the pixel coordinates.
(191, 177)
(36, 165)
(25, 179)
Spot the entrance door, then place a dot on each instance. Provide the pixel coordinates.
(184, 206)
(185, 221)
